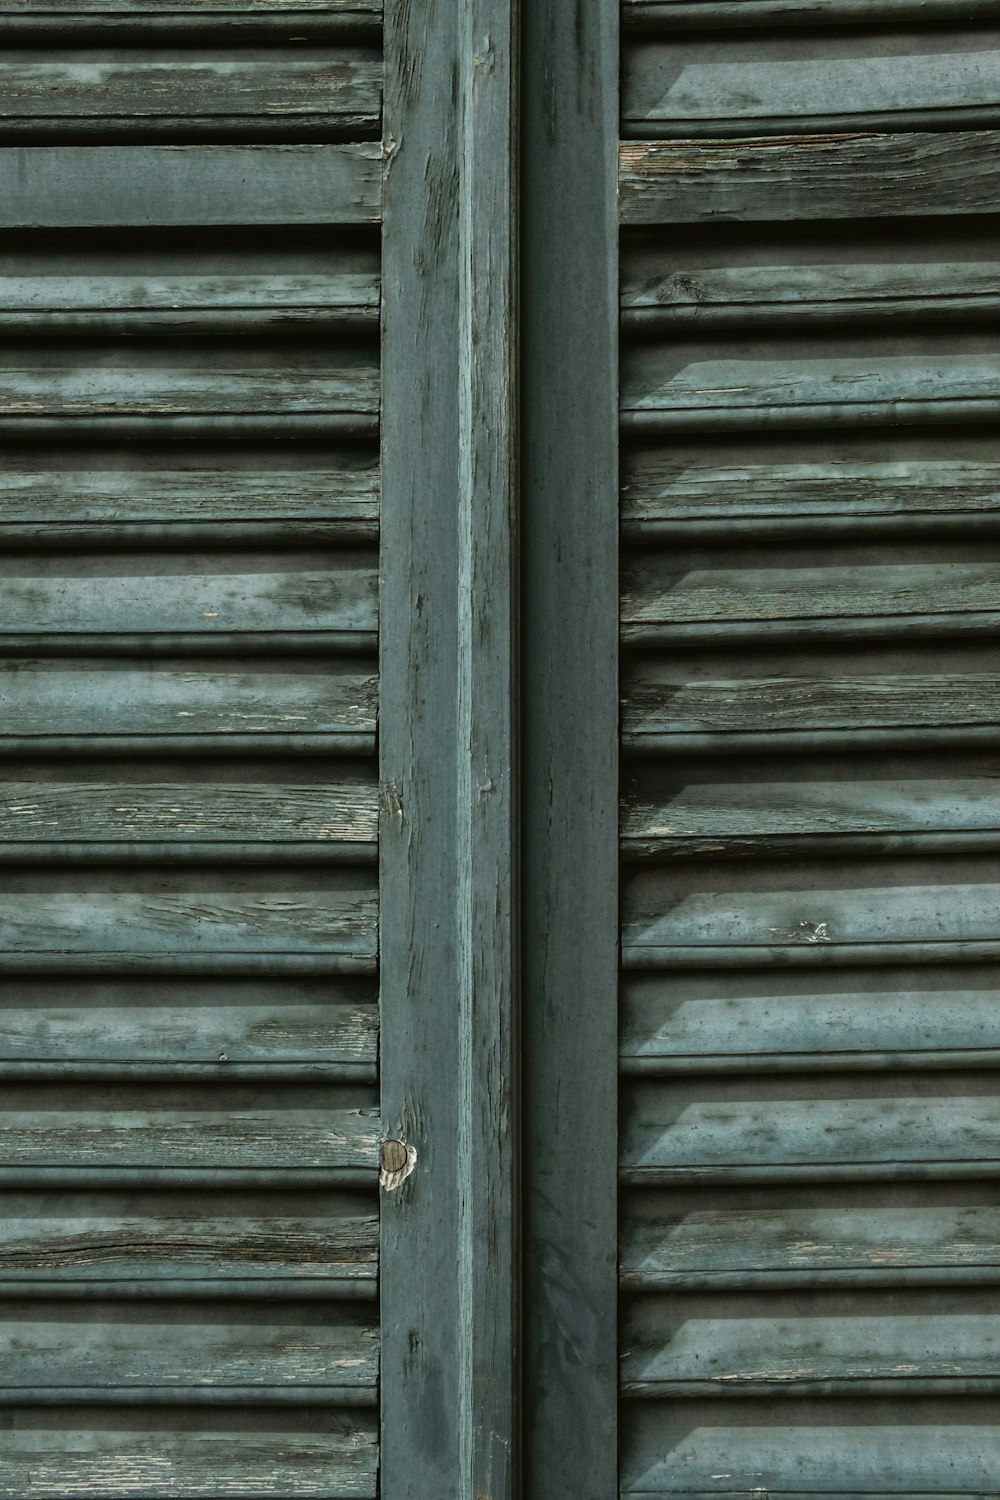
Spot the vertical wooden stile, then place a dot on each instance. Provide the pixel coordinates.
(569, 613)
(447, 725)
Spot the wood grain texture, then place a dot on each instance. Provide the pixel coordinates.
(820, 711)
(774, 926)
(782, 1131)
(789, 296)
(673, 1026)
(55, 707)
(780, 178)
(335, 608)
(569, 761)
(253, 1356)
(94, 96)
(118, 186)
(660, 607)
(662, 497)
(284, 1143)
(654, 16)
(80, 818)
(179, 1031)
(168, 929)
(186, 1029)
(150, 1256)
(64, 507)
(811, 81)
(690, 1449)
(107, 391)
(774, 1248)
(702, 1346)
(755, 819)
(197, 305)
(666, 387)
(447, 760)
(186, 1462)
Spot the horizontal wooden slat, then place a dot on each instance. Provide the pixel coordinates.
(198, 305)
(334, 1255)
(336, 608)
(214, 1146)
(665, 1030)
(779, 1132)
(670, 386)
(703, 1346)
(98, 95)
(812, 81)
(62, 708)
(794, 817)
(884, 1246)
(812, 925)
(661, 497)
(257, 1356)
(80, 186)
(165, 929)
(188, 1463)
(659, 607)
(82, 819)
(828, 711)
(868, 1449)
(777, 296)
(774, 178)
(63, 507)
(187, 1029)
(100, 390)
(698, 15)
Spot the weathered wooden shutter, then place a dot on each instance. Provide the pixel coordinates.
(811, 904)
(189, 390)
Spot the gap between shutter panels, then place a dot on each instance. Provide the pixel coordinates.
(809, 1248)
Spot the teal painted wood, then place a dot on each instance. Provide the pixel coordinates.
(188, 1029)
(157, 926)
(102, 608)
(63, 507)
(810, 1130)
(48, 97)
(666, 496)
(697, 15)
(674, 386)
(81, 821)
(832, 710)
(53, 1136)
(789, 296)
(569, 724)
(815, 1344)
(695, 1449)
(449, 942)
(805, 603)
(80, 186)
(104, 305)
(110, 706)
(818, 81)
(255, 1355)
(172, 1245)
(846, 176)
(871, 1246)
(292, 1460)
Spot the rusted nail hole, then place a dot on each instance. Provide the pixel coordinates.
(397, 1162)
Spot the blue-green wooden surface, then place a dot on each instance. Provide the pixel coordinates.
(188, 793)
(809, 1023)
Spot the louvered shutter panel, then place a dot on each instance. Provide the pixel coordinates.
(189, 396)
(811, 904)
